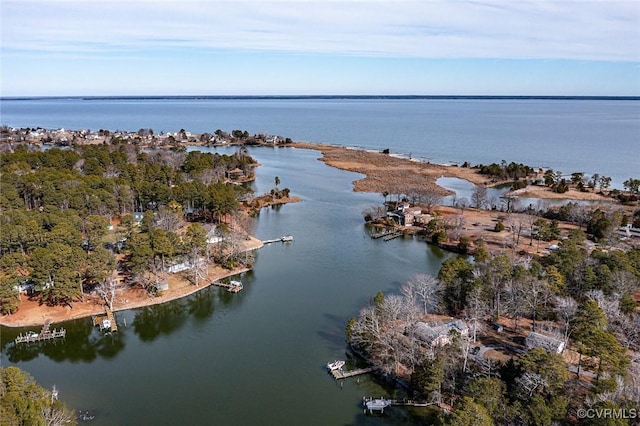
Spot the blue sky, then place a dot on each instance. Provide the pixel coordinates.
(394, 47)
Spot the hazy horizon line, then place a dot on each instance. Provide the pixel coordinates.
(334, 96)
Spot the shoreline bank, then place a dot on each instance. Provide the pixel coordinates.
(383, 171)
(32, 314)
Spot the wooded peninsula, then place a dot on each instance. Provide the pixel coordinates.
(536, 322)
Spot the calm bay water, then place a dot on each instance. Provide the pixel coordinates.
(257, 357)
(592, 136)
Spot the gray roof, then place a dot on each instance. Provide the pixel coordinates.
(429, 333)
(537, 340)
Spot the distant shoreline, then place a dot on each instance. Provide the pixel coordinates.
(328, 97)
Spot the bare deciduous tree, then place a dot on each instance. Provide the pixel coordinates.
(423, 289)
(528, 383)
(624, 283)
(373, 213)
(566, 308)
(168, 219)
(476, 311)
(430, 199)
(54, 415)
(107, 290)
(479, 197)
(536, 295)
(514, 298)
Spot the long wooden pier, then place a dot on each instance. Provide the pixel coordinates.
(45, 334)
(410, 403)
(379, 404)
(341, 374)
(283, 239)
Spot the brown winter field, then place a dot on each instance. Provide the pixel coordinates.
(384, 172)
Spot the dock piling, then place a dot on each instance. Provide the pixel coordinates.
(45, 334)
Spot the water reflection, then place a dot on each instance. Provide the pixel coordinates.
(201, 305)
(334, 333)
(271, 340)
(152, 321)
(83, 343)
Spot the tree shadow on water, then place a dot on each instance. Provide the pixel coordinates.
(201, 304)
(82, 343)
(152, 321)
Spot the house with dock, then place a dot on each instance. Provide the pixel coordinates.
(405, 214)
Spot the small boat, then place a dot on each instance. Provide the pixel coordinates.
(286, 238)
(336, 365)
(234, 286)
(106, 324)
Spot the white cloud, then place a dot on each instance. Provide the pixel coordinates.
(516, 29)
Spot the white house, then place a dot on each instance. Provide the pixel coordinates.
(212, 236)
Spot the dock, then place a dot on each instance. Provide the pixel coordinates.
(379, 404)
(45, 334)
(341, 374)
(106, 322)
(387, 235)
(232, 286)
(379, 235)
(392, 236)
(283, 239)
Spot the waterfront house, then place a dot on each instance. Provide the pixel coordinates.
(411, 215)
(236, 173)
(405, 215)
(213, 237)
(272, 140)
(439, 335)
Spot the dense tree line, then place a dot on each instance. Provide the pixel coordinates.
(583, 300)
(504, 171)
(24, 402)
(57, 205)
